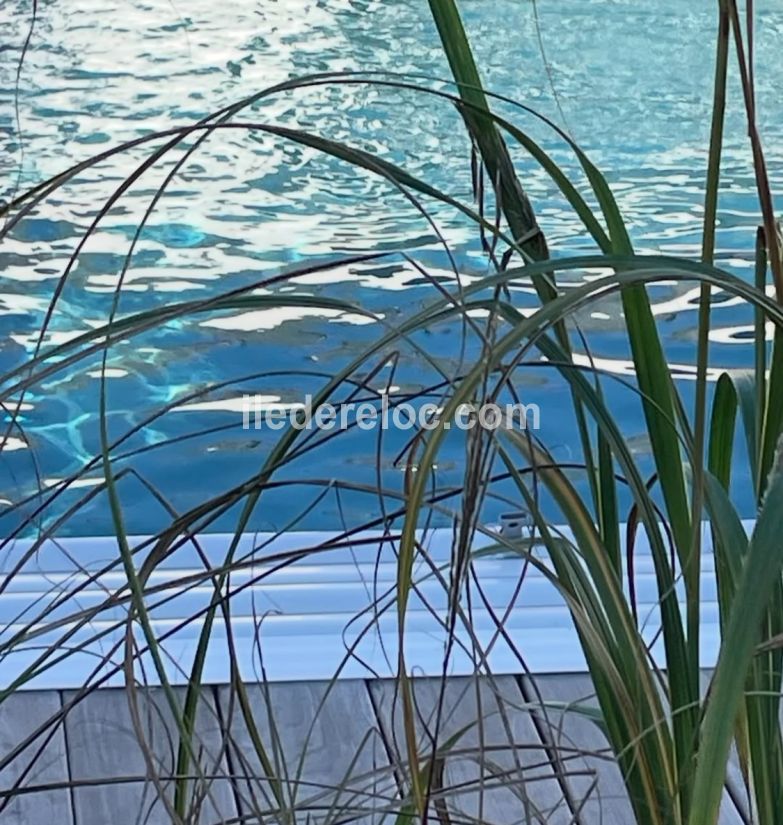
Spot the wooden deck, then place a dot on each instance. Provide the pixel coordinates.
(88, 768)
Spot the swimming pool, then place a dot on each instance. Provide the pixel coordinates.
(246, 208)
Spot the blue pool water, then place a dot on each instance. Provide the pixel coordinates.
(630, 81)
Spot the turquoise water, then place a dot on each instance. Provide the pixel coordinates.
(630, 82)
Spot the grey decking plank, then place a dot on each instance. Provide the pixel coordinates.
(335, 727)
(599, 793)
(608, 802)
(20, 715)
(498, 702)
(103, 745)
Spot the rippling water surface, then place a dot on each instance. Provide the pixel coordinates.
(630, 81)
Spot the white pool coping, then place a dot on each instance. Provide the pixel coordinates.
(303, 617)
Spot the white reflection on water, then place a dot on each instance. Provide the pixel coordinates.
(248, 206)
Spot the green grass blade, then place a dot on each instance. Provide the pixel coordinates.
(494, 152)
(760, 358)
(760, 577)
(721, 444)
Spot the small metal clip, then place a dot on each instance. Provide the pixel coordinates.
(513, 524)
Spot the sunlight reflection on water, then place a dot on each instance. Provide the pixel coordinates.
(248, 205)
